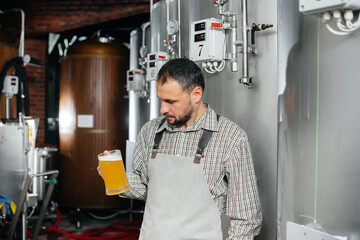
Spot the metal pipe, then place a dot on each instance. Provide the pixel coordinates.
(151, 7)
(134, 49)
(7, 107)
(234, 63)
(245, 65)
(179, 33)
(167, 11)
(133, 98)
(43, 209)
(24, 223)
(154, 101)
(143, 28)
(22, 35)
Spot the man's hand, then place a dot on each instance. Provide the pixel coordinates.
(99, 168)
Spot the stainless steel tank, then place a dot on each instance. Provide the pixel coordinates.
(13, 158)
(44, 160)
(318, 125)
(255, 110)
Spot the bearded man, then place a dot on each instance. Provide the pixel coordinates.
(192, 166)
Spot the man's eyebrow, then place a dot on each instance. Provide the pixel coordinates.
(169, 100)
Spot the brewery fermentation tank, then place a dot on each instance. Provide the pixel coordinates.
(8, 51)
(92, 117)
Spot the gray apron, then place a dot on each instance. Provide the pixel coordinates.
(179, 205)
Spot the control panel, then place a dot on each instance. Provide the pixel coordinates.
(319, 6)
(135, 80)
(154, 62)
(207, 40)
(11, 85)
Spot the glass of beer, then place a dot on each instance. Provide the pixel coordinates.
(113, 170)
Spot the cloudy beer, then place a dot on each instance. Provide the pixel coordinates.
(113, 170)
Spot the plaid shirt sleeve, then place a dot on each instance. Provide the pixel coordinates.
(138, 177)
(243, 204)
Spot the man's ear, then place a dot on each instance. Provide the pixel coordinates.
(196, 94)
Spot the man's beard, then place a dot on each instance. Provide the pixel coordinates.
(183, 119)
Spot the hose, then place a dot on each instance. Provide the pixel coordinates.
(112, 215)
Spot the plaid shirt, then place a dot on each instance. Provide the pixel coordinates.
(227, 167)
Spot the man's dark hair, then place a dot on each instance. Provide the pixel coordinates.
(184, 71)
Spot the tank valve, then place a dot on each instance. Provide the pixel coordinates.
(258, 27)
(247, 81)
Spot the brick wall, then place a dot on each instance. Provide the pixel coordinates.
(42, 17)
(37, 87)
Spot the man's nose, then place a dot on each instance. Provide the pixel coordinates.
(164, 108)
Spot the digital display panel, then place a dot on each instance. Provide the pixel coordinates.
(199, 37)
(200, 26)
(152, 57)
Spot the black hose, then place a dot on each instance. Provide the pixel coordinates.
(119, 212)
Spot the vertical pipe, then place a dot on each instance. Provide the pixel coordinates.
(167, 11)
(22, 35)
(23, 223)
(7, 107)
(133, 98)
(179, 33)
(245, 77)
(134, 104)
(154, 101)
(151, 7)
(234, 63)
(143, 28)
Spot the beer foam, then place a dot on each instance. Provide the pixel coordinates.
(110, 158)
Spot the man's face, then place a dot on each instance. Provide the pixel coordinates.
(176, 104)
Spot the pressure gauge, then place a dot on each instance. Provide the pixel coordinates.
(172, 27)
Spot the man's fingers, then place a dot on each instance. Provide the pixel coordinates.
(106, 152)
(99, 171)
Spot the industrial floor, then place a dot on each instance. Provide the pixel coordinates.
(86, 224)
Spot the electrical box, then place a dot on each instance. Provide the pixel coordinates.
(135, 80)
(207, 40)
(11, 85)
(296, 231)
(154, 62)
(319, 6)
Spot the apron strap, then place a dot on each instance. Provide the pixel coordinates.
(204, 140)
(157, 140)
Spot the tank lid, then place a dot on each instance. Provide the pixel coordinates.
(92, 47)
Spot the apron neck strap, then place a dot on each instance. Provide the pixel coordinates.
(157, 140)
(203, 142)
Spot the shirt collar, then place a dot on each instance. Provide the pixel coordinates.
(207, 121)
